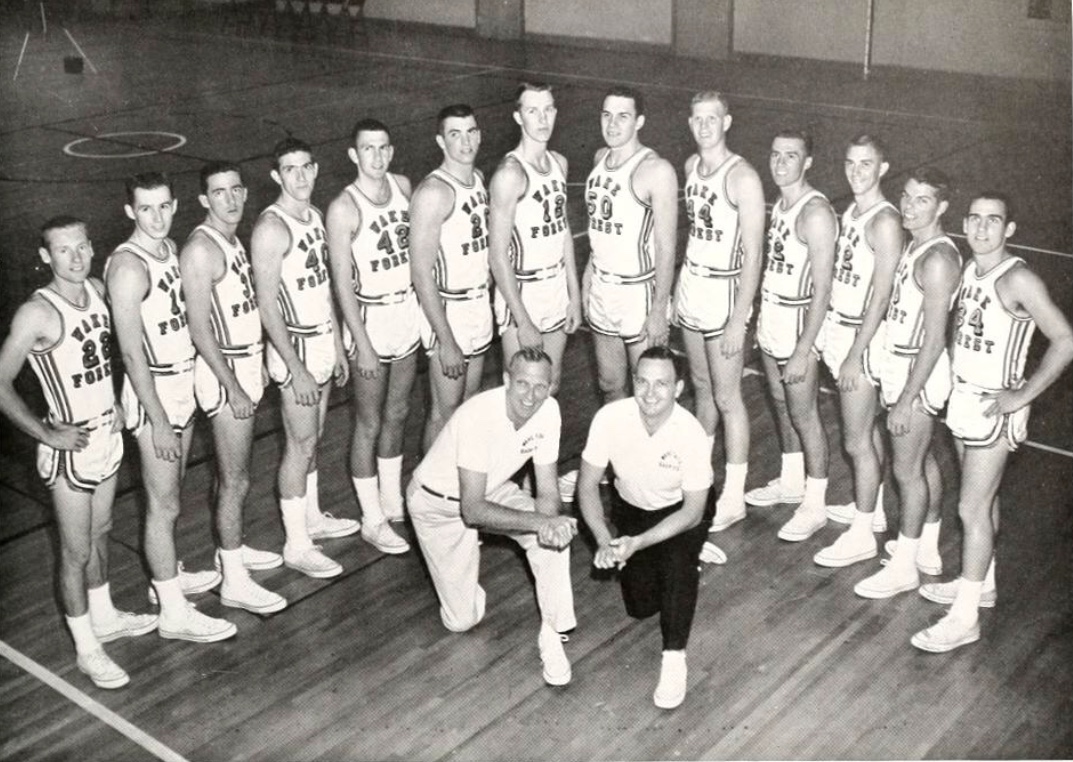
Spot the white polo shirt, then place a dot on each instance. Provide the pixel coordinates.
(651, 470)
(480, 437)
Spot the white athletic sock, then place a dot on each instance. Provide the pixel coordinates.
(792, 476)
(389, 471)
(929, 538)
(231, 565)
(815, 493)
(170, 594)
(966, 605)
(734, 483)
(905, 553)
(861, 526)
(101, 608)
(312, 499)
(879, 498)
(368, 491)
(989, 578)
(293, 511)
(82, 632)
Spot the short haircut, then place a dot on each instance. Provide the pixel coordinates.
(460, 110)
(530, 87)
(368, 125)
(289, 145)
(711, 95)
(796, 133)
(147, 181)
(663, 352)
(1000, 196)
(527, 354)
(622, 91)
(60, 222)
(936, 178)
(868, 139)
(216, 168)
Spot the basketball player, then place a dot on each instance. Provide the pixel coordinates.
(795, 293)
(914, 375)
(632, 201)
(537, 301)
(449, 246)
(717, 286)
(305, 352)
(369, 251)
(228, 372)
(869, 247)
(64, 330)
(149, 315)
(463, 485)
(663, 469)
(1000, 303)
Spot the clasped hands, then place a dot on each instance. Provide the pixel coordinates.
(557, 531)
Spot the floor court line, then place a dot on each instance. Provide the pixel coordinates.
(98, 710)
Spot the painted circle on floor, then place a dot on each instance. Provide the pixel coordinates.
(129, 145)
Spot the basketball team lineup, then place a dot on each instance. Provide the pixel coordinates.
(915, 336)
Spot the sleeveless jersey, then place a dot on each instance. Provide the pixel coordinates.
(380, 252)
(714, 236)
(990, 342)
(905, 317)
(236, 321)
(76, 372)
(462, 262)
(165, 335)
(620, 224)
(540, 228)
(788, 271)
(305, 293)
(855, 262)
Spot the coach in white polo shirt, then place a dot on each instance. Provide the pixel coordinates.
(463, 485)
(662, 461)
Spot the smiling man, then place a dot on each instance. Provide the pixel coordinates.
(463, 485)
(663, 473)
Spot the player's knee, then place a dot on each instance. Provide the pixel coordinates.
(729, 401)
(75, 555)
(235, 481)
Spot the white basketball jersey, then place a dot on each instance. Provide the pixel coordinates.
(540, 228)
(165, 335)
(305, 291)
(620, 224)
(380, 251)
(990, 342)
(76, 372)
(236, 321)
(855, 262)
(788, 270)
(905, 316)
(462, 263)
(714, 235)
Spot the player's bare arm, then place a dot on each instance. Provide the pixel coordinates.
(128, 284)
(656, 183)
(201, 265)
(937, 272)
(342, 224)
(818, 228)
(573, 284)
(1024, 292)
(506, 190)
(746, 192)
(36, 326)
(885, 235)
(270, 241)
(431, 204)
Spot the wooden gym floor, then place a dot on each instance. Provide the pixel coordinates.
(785, 662)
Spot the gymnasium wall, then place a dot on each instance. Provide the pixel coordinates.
(993, 37)
(971, 36)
